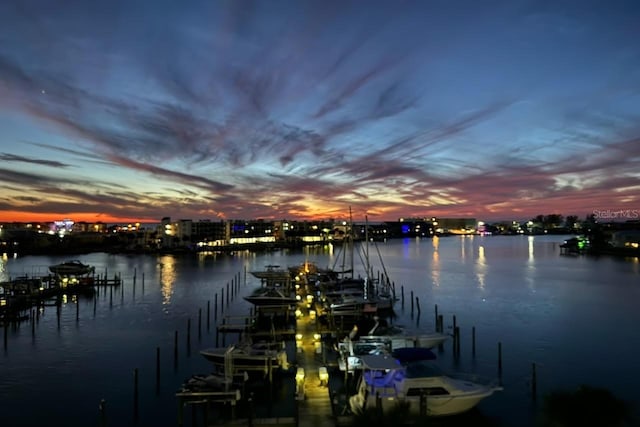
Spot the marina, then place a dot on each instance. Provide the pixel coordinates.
(523, 333)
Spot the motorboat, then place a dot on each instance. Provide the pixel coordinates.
(381, 338)
(411, 377)
(71, 268)
(272, 273)
(259, 356)
(272, 297)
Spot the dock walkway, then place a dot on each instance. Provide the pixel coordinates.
(314, 408)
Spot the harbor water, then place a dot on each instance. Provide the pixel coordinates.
(574, 317)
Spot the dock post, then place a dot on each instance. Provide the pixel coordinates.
(208, 315)
(418, 305)
(473, 341)
(180, 412)
(33, 324)
(135, 396)
(222, 301)
(534, 381)
(215, 308)
(102, 407)
(227, 294)
(110, 296)
(411, 303)
(135, 275)
(402, 294)
(199, 324)
(77, 309)
(157, 370)
(188, 337)
(456, 334)
(175, 350)
(436, 319)
(95, 299)
(500, 362)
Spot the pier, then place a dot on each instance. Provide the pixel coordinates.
(312, 379)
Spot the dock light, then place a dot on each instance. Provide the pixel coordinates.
(317, 337)
(298, 337)
(298, 298)
(309, 298)
(323, 375)
(298, 313)
(300, 375)
(297, 286)
(312, 314)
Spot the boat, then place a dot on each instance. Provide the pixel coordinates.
(410, 377)
(272, 297)
(259, 356)
(381, 340)
(272, 273)
(71, 268)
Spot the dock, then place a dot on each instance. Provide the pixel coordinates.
(314, 400)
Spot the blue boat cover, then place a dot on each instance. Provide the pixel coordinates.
(412, 354)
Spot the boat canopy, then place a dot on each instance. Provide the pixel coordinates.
(379, 362)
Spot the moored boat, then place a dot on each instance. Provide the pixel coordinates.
(272, 297)
(410, 377)
(71, 268)
(236, 358)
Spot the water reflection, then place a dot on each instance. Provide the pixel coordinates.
(531, 266)
(167, 265)
(481, 267)
(435, 264)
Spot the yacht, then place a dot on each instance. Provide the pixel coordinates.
(411, 377)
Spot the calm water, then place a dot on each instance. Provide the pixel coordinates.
(575, 317)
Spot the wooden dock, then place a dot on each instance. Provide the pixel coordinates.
(314, 400)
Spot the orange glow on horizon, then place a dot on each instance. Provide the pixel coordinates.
(21, 216)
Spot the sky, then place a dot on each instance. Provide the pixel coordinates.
(126, 110)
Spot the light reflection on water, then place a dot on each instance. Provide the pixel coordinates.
(574, 316)
(167, 266)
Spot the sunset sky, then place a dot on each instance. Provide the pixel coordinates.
(126, 110)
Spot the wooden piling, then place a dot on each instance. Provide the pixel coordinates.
(208, 315)
(473, 341)
(215, 308)
(436, 318)
(227, 294)
(534, 381)
(77, 309)
(418, 305)
(456, 334)
(175, 350)
(188, 337)
(157, 370)
(402, 295)
(500, 361)
(135, 396)
(102, 407)
(411, 303)
(95, 300)
(222, 301)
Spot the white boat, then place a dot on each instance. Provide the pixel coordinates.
(71, 268)
(419, 383)
(381, 339)
(241, 357)
(272, 273)
(272, 297)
